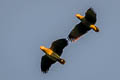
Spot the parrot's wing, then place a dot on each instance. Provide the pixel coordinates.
(58, 46)
(46, 63)
(78, 31)
(90, 16)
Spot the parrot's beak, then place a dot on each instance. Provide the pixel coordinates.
(96, 29)
(79, 16)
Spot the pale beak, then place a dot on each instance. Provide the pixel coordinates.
(96, 29)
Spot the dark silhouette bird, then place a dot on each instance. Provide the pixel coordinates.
(86, 24)
(53, 54)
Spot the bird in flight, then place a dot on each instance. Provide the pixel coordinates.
(87, 23)
(52, 54)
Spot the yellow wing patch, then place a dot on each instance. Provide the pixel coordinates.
(48, 51)
(79, 16)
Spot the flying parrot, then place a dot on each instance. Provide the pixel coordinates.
(52, 54)
(87, 23)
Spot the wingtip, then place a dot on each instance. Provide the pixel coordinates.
(44, 71)
(69, 39)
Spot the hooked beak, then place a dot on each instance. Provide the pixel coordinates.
(79, 16)
(96, 29)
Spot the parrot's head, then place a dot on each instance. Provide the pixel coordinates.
(96, 29)
(62, 61)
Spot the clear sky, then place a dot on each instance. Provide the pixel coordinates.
(27, 24)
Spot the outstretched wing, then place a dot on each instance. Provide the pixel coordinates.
(78, 31)
(90, 16)
(46, 62)
(58, 46)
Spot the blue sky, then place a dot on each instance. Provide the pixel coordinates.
(27, 24)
